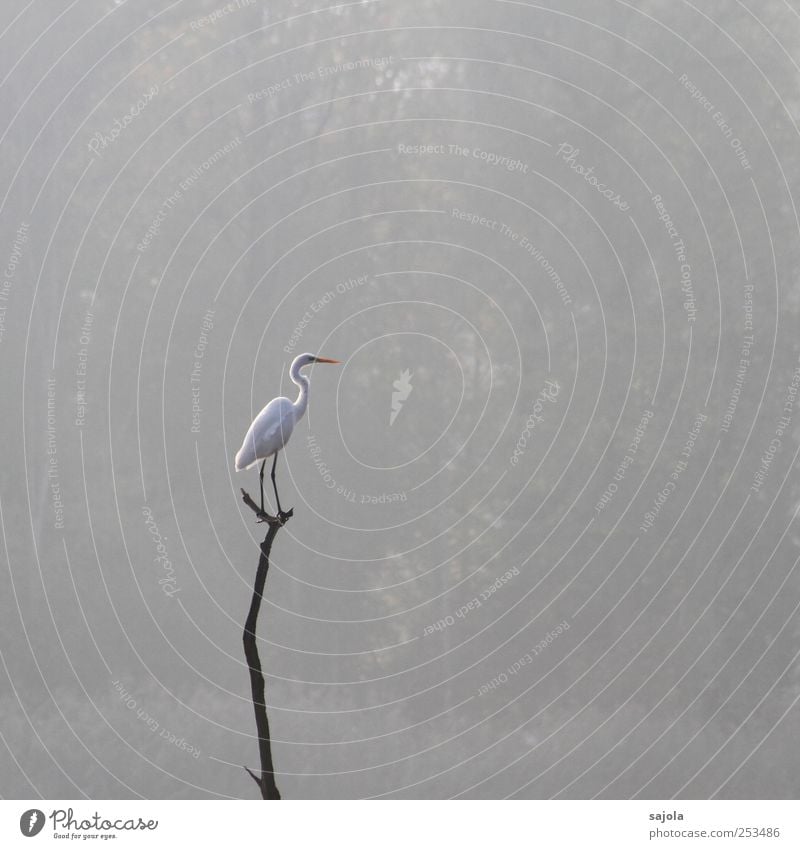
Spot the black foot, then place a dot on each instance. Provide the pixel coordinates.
(281, 519)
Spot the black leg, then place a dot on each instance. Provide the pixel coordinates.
(261, 481)
(274, 486)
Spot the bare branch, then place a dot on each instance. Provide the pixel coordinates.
(279, 520)
(254, 777)
(267, 785)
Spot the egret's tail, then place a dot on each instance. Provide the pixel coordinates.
(244, 458)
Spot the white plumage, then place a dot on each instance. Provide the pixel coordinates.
(268, 433)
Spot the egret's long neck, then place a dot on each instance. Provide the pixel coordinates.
(302, 398)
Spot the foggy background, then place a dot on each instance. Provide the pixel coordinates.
(545, 539)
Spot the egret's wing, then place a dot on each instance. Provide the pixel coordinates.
(246, 455)
(266, 434)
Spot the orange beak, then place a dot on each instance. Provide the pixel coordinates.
(326, 360)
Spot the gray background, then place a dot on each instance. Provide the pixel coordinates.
(122, 668)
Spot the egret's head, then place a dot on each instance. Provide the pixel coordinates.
(308, 359)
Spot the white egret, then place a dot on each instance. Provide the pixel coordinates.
(273, 426)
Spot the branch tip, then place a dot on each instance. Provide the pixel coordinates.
(253, 776)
